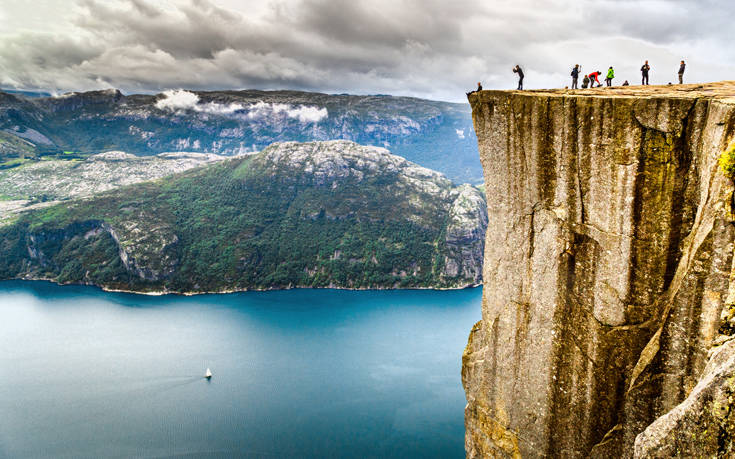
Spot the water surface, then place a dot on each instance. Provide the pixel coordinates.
(301, 373)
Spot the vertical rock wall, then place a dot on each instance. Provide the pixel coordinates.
(607, 264)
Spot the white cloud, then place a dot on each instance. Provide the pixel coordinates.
(460, 133)
(304, 113)
(180, 100)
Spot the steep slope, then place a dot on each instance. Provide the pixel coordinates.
(607, 267)
(321, 214)
(433, 134)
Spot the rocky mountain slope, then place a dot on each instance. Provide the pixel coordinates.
(433, 134)
(608, 270)
(319, 214)
(63, 179)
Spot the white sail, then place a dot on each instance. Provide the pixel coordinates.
(208, 374)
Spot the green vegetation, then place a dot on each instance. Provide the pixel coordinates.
(241, 224)
(727, 161)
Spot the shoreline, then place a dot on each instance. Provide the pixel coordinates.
(229, 291)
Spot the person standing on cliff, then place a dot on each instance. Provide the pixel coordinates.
(644, 73)
(575, 76)
(517, 69)
(682, 66)
(610, 76)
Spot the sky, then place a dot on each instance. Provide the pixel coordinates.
(436, 49)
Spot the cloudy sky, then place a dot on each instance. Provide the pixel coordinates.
(427, 48)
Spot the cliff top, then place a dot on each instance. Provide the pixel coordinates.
(720, 90)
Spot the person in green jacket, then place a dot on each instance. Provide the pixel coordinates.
(610, 76)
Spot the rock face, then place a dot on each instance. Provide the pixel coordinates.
(607, 266)
(702, 425)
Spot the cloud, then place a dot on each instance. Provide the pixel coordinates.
(180, 100)
(304, 113)
(425, 48)
(177, 100)
(460, 133)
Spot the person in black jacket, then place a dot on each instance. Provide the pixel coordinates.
(575, 76)
(517, 69)
(682, 66)
(479, 88)
(644, 73)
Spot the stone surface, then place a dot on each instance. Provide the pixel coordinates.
(703, 425)
(607, 264)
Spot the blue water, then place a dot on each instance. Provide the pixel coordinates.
(301, 373)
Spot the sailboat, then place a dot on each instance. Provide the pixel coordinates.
(208, 374)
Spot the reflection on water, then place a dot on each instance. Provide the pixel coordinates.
(306, 373)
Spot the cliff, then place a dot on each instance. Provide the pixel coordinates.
(608, 266)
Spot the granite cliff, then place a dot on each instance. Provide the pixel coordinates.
(607, 275)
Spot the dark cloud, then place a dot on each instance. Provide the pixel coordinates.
(426, 48)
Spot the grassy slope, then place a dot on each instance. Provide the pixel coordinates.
(239, 227)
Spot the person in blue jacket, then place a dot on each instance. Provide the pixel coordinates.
(575, 76)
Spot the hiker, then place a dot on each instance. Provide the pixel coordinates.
(625, 83)
(585, 82)
(479, 88)
(610, 76)
(682, 66)
(594, 77)
(519, 71)
(575, 76)
(644, 73)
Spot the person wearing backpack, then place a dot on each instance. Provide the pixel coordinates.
(610, 76)
(644, 73)
(575, 76)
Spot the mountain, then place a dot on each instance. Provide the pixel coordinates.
(437, 135)
(318, 214)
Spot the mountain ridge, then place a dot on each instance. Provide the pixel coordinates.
(434, 134)
(319, 214)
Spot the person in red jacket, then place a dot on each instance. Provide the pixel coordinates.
(594, 78)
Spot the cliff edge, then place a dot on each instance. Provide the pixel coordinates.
(608, 267)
